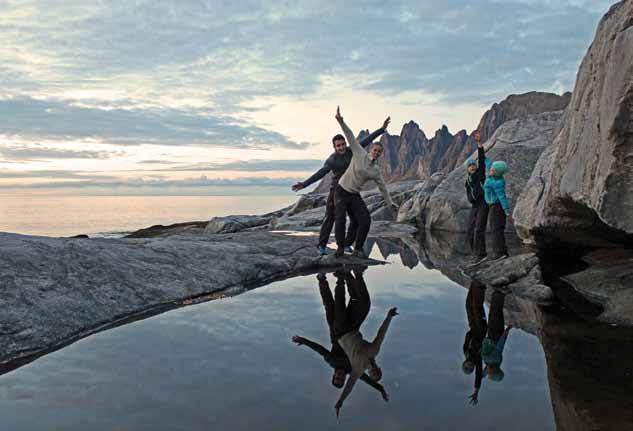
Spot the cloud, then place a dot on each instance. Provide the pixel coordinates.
(38, 152)
(255, 165)
(52, 174)
(61, 120)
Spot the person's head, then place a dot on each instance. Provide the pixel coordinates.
(468, 366)
(498, 169)
(339, 144)
(374, 372)
(338, 378)
(376, 150)
(477, 136)
(471, 166)
(495, 373)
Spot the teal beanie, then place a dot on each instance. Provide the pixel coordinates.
(500, 168)
(469, 162)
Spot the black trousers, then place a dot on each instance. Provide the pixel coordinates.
(476, 229)
(349, 317)
(497, 218)
(352, 203)
(328, 223)
(496, 321)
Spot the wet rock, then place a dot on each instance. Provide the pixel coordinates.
(585, 182)
(56, 290)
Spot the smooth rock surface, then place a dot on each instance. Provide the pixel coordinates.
(56, 290)
(586, 180)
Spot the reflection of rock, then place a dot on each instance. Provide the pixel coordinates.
(519, 143)
(584, 183)
(589, 372)
(56, 290)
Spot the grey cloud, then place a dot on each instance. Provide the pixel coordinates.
(60, 120)
(54, 174)
(254, 165)
(37, 152)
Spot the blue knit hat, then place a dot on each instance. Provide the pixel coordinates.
(500, 168)
(469, 162)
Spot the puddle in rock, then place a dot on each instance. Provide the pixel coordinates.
(231, 364)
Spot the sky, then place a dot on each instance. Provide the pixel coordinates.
(210, 97)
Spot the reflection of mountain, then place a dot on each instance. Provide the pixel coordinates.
(390, 246)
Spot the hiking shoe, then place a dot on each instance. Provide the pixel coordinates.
(340, 252)
(498, 257)
(359, 254)
(476, 261)
(322, 250)
(349, 249)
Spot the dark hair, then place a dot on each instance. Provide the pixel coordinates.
(338, 137)
(379, 144)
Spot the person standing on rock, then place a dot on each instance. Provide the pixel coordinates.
(347, 199)
(337, 163)
(499, 209)
(478, 218)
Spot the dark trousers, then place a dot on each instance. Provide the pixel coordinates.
(349, 317)
(496, 321)
(328, 223)
(497, 229)
(476, 229)
(352, 203)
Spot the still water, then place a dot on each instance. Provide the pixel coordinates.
(74, 215)
(231, 364)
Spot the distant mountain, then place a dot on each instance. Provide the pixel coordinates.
(411, 155)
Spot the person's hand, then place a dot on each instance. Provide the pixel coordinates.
(386, 123)
(385, 395)
(338, 115)
(338, 406)
(299, 340)
(393, 312)
(474, 398)
(298, 186)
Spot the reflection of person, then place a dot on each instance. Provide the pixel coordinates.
(336, 357)
(361, 354)
(477, 328)
(493, 344)
(337, 162)
(363, 167)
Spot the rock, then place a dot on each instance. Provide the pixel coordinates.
(585, 181)
(411, 210)
(520, 106)
(307, 220)
(306, 202)
(519, 144)
(57, 290)
(235, 223)
(160, 230)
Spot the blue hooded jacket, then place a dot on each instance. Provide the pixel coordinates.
(495, 187)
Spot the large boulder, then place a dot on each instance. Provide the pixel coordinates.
(235, 223)
(519, 143)
(582, 186)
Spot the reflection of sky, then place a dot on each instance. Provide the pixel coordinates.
(143, 89)
(230, 364)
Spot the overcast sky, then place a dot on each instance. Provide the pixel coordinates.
(117, 94)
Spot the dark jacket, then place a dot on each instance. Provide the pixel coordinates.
(338, 163)
(475, 182)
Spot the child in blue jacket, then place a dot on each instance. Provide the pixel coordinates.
(499, 209)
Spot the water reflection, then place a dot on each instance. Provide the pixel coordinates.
(350, 352)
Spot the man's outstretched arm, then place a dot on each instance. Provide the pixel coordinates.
(349, 135)
(314, 178)
(353, 378)
(370, 138)
(311, 344)
(382, 331)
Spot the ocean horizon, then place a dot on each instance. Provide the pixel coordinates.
(103, 215)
